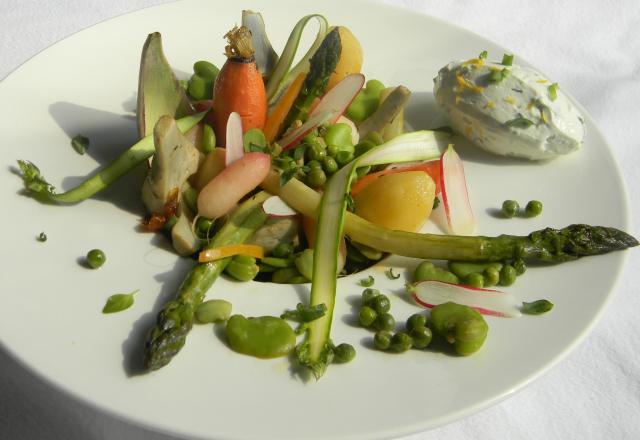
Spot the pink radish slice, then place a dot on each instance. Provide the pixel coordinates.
(274, 206)
(455, 197)
(486, 301)
(234, 147)
(234, 182)
(332, 105)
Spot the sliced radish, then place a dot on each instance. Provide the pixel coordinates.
(234, 147)
(486, 301)
(274, 206)
(292, 138)
(455, 196)
(332, 105)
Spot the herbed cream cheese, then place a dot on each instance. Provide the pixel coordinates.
(509, 110)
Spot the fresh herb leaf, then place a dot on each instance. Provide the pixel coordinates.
(553, 91)
(483, 55)
(519, 122)
(33, 180)
(80, 144)
(287, 175)
(536, 307)
(507, 59)
(367, 282)
(42, 237)
(391, 275)
(119, 302)
(305, 313)
(436, 202)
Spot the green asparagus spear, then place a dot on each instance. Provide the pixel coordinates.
(547, 245)
(38, 187)
(176, 318)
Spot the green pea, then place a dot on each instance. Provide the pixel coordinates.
(381, 303)
(338, 134)
(401, 342)
(461, 326)
(367, 316)
(508, 275)
(332, 150)
(464, 268)
(366, 101)
(208, 139)
(344, 157)
(329, 165)
(283, 250)
(282, 276)
(428, 271)
(214, 310)
(533, 208)
(244, 259)
(382, 339)
(206, 70)
(316, 178)
(474, 280)
(203, 226)
(520, 266)
(510, 208)
(344, 353)
(200, 88)
(368, 295)
(316, 154)
(491, 276)
(421, 336)
(314, 141)
(96, 258)
(263, 337)
(241, 271)
(385, 321)
(416, 320)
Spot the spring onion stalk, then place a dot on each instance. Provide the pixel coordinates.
(38, 187)
(316, 351)
(280, 76)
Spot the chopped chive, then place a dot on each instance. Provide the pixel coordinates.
(391, 275)
(483, 55)
(553, 91)
(536, 307)
(519, 122)
(42, 237)
(80, 144)
(507, 59)
(367, 282)
(498, 75)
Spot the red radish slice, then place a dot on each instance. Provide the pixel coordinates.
(234, 147)
(486, 301)
(274, 206)
(340, 96)
(455, 197)
(332, 105)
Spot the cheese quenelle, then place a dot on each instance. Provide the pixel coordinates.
(509, 110)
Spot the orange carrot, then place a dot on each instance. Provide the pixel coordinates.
(273, 126)
(431, 168)
(239, 87)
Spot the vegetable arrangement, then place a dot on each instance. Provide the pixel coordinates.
(268, 172)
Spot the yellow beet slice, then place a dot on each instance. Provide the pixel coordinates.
(401, 201)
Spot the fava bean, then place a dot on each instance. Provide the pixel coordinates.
(213, 310)
(199, 88)
(208, 139)
(461, 326)
(242, 268)
(206, 70)
(339, 135)
(262, 337)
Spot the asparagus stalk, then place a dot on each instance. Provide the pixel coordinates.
(546, 245)
(38, 187)
(176, 318)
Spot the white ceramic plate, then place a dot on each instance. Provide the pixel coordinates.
(51, 304)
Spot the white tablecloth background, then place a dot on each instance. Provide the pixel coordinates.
(590, 47)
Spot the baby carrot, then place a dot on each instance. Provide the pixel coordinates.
(239, 87)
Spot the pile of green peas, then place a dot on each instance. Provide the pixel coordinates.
(474, 274)
(375, 314)
(511, 208)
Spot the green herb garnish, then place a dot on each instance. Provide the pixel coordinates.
(436, 203)
(553, 91)
(367, 282)
(483, 55)
(498, 75)
(42, 237)
(80, 144)
(507, 59)
(391, 275)
(119, 302)
(519, 122)
(305, 313)
(537, 307)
